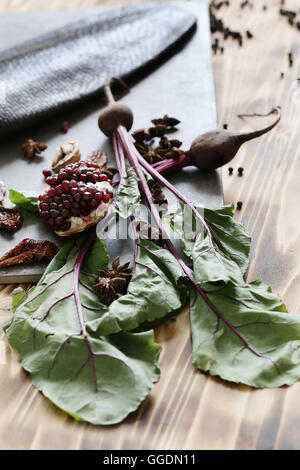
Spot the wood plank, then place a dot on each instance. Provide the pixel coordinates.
(227, 417)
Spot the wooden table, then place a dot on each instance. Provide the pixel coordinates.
(220, 415)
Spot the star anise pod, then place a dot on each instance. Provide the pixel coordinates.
(140, 135)
(112, 283)
(158, 194)
(167, 121)
(153, 157)
(158, 131)
(174, 153)
(30, 148)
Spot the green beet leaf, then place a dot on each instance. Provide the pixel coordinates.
(243, 334)
(26, 203)
(128, 197)
(93, 378)
(156, 290)
(220, 251)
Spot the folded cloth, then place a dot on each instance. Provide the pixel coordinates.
(65, 66)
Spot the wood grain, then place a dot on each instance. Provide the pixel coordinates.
(187, 409)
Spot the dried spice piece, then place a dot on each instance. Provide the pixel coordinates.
(2, 191)
(290, 57)
(166, 121)
(67, 153)
(230, 170)
(113, 283)
(99, 158)
(225, 126)
(240, 171)
(158, 194)
(219, 5)
(140, 135)
(31, 148)
(249, 34)
(246, 3)
(239, 205)
(289, 14)
(10, 219)
(158, 131)
(29, 251)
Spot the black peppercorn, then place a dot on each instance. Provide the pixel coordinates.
(239, 205)
(240, 171)
(230, 170)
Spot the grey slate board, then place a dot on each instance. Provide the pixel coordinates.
(182, 87)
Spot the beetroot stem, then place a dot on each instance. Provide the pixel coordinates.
(132, 156)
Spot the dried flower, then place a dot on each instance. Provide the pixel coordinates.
(30, 148)
(67, 153)
(29, 252)
(113, 283)
(10, 219)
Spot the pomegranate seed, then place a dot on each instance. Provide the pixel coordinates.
(98, 196)
(74, 191)
(67, 226)
(54, 213)
(58, 190)
(41, 197)
(51, 192)
(67, 204)
(59, 220)
(53, 205)
(87, 196)
(106, 198)
(66, 214)
(60, 208)
(47, 173)
(44, 206)
(66, 186)
(83, 204)
(65, 127)
(51, 221)
(46, 199)
(69, 171)
(93, 204)
(83, 178)
(103, 178)
(85, 212)
(76, 205)
(44, 214)
(56, 199)
(73, 184)
(75, 212)
(52, 180)
(62, 175)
